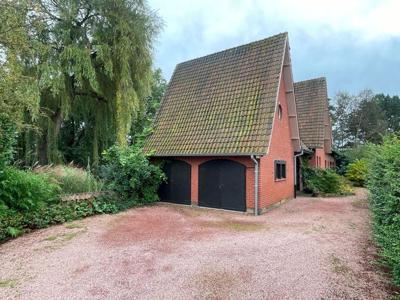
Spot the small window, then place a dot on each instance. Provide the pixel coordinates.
(280, 169)
(280, 112)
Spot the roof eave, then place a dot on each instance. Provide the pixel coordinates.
(206, 154)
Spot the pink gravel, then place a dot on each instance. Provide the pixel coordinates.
(307, 248)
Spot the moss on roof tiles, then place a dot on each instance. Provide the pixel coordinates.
(311, 102)
(222, 103)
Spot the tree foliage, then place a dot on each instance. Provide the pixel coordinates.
(142, 126)
(365, 117)
(19, 93)
(7, 141)
(84, 65)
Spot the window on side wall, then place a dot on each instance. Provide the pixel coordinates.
(280, 169)
(280, 112)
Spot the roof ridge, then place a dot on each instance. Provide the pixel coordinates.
(285, 33)
(312, 79)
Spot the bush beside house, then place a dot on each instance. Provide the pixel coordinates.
(324, 182)
(128, 173)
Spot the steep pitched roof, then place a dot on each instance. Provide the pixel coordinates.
(221, 104)
(312, 107)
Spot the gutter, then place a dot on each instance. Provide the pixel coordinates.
(295, 170)
(256, 173)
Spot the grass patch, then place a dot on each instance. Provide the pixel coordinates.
(360, 203)
(73, 225)
(240, 226)
(339, 266)
(8, 283)
(352, 225)
(319, 228)
(70, 236)
(189, 212)
(50, 238)
(66, 236)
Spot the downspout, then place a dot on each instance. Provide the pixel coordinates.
(295, 170)
(256, 172)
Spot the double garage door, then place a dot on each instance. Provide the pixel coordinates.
(222, 184)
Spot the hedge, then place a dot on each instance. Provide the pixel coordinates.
(384, 184)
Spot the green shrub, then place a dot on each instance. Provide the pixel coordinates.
(357, 172)
(383, 182)
(14, 223)
(324, 182)
(30, 200)
(25, 190)
(72, 180)
(344, 157)
(128, 172)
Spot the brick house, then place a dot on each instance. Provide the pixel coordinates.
(227, 128)
(315, 122)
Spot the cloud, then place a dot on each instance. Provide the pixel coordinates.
(369, 19)
(355, 43)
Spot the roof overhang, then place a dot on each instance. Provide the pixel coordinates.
(205, 154)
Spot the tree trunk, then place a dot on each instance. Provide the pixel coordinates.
(95, 148)
(42, 148)
(56, 120)
(48, 140)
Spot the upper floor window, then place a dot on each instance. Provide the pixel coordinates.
(280, 112)
(280, 169)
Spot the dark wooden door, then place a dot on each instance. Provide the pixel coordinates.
(177, 189)
(222, 184)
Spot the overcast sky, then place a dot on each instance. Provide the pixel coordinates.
(354, 43)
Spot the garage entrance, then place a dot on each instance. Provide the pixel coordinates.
(177, 188)
(222, 184)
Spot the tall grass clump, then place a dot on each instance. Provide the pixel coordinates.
(71, 179)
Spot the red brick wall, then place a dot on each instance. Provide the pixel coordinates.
(320, 157)
(271, 190)
(195, 162)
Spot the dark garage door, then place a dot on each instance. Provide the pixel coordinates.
(177, 188)
(222, 184)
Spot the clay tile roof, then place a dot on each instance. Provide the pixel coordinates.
(221, 104)
(312, 103)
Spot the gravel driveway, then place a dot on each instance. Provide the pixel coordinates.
(307, 248)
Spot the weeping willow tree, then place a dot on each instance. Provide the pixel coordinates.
(19, 92)
(92, 69)
(99, 69)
